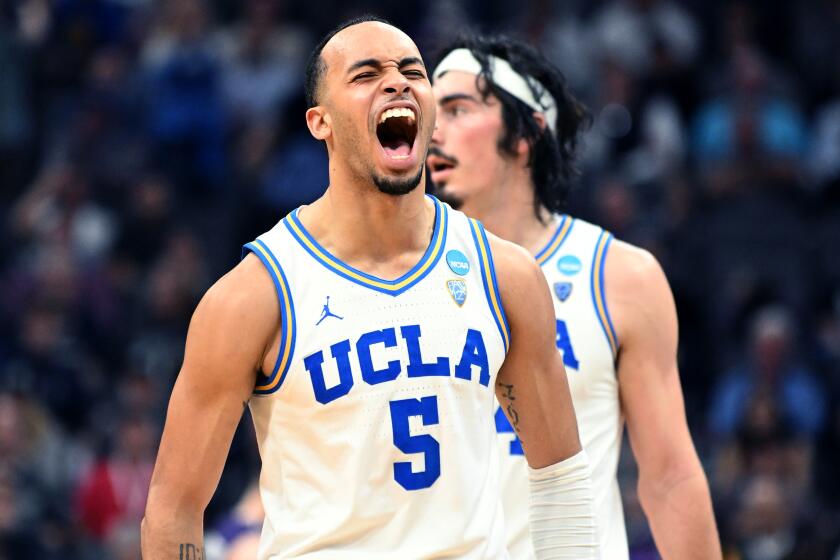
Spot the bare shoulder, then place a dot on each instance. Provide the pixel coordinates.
(637, 291)
(238, 316)
(628, 265)
(247, 290)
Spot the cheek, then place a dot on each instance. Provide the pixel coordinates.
(478, 146)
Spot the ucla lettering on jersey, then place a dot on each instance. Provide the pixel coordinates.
(374, 426)
(573, 263)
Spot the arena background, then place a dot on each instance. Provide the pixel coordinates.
(142, 142)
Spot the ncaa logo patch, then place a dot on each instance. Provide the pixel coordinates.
(563, 290)
(569, 265)
(458, 262)
(458, 291)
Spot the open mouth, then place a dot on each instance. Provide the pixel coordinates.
(440, 165)
(396, 130)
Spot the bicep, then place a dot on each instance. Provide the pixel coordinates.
(531, 387)
(649, 383)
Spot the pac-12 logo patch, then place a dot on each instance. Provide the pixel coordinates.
(458, 262)
(563, 290)
(569, 265)
(458, 290)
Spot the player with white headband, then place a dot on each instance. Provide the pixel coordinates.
(503, 151)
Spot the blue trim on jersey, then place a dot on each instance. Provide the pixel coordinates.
(599, 300)
(560, 236)
(391, 287)
(604, 293)
(288, 329)
(488, 278)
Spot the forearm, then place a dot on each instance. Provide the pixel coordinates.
(681, 518)
(561, 513)
(171, 535)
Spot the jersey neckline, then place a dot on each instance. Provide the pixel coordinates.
(564, 227)
(391, 287)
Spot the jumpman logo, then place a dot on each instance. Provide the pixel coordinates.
(327, 313)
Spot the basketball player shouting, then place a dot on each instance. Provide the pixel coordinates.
(375, 329)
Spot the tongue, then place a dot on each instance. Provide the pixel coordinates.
(397, 148)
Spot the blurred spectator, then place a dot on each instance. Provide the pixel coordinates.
(104, 129)
(49, 365)
(113, 491)
(630, 31)
(639, 136)
(148, 218)
(187, 120)
(772, 368)
(750, 134)
(59, 208)
(264, 60)
(38, 467)
(764, 521)
(172, 290)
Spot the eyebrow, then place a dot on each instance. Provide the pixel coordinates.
(456, 97)
(407, 61)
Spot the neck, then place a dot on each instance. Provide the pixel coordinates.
(511, 216)
(359, 224)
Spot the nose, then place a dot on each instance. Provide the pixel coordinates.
(395, 82)
(437, 132)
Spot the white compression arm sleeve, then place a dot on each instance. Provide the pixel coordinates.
(561, 510)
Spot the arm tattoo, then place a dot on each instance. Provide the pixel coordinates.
(189, 551)
(510, 409)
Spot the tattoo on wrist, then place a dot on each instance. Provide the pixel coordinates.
(189, 551)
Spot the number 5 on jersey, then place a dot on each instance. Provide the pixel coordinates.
(427, 409)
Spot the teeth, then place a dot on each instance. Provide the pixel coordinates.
(397, 112)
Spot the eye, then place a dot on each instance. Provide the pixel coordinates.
(363, 76)
(455, 110)
(415, 73)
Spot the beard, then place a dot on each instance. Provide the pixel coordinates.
(398, 187)
(440, 192)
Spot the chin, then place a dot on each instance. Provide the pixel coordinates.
(398, 185)
(446, 195)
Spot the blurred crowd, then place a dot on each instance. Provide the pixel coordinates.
(143, 141)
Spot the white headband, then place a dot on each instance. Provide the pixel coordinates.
(504, 76)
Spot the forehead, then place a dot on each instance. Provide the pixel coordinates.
(455, 82)
(368, 40)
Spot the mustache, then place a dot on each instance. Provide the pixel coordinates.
(433, 150)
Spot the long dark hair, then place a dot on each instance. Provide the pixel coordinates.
(552, 157)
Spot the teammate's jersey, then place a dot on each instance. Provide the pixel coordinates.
(573, 263)
(374, 426)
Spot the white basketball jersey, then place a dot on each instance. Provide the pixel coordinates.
(573, 263)
(374, 427)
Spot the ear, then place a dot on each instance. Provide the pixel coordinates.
(319, 122)
(522, 146)
(541, 122)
